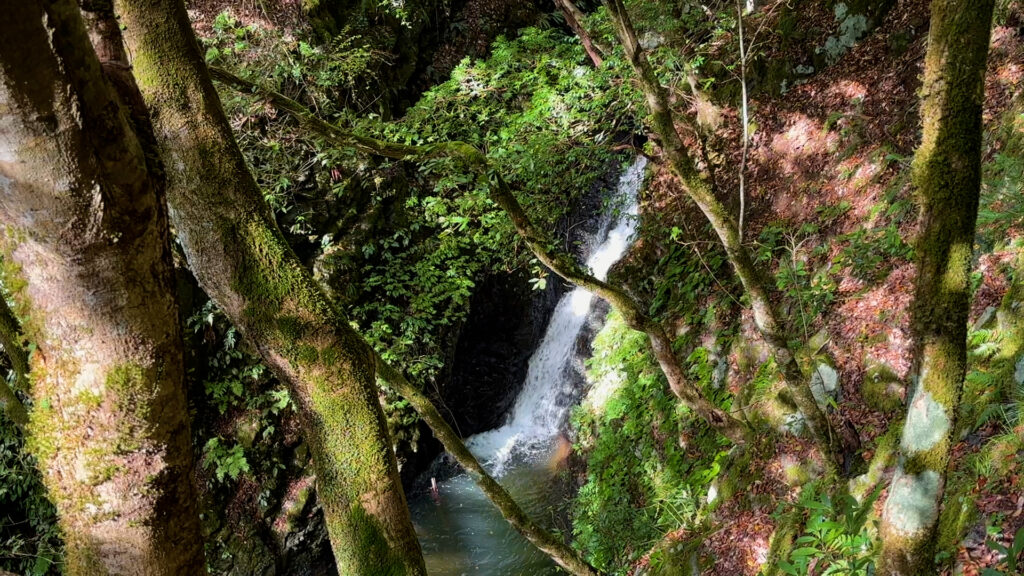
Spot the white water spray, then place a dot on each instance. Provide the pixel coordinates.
(542, 405)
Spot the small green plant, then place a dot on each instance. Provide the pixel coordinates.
(30, 542)
(836, 539)
(1010, 561)
(227, 462)
(871, 252)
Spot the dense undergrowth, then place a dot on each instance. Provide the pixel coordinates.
(403, 246)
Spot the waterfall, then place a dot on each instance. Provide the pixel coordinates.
(459, 529)
(542, 405)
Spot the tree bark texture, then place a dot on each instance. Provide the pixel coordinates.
(574, 18)
(239, 256)
(87, 257)
(947, 175)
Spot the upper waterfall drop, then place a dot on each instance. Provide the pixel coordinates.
(541, 408)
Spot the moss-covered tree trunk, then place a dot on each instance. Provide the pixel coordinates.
(947, 175)
(242, 260)
(701, 192)
(87, 258)
(539, 242)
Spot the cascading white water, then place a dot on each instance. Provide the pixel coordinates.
(541, 407)
(461, 532)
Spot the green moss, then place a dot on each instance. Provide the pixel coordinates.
(782, 540)
(881, 386)
(42, 431)
(130, 389)
(674, 558)
(959, 513)
(89, 398)
(330, 357)
(306, 354)
(82, 557)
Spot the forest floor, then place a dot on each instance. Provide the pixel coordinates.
(827, 158)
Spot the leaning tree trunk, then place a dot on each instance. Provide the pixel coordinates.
(540, 243)
(321, 328)
(574, 18)
(242, 260)
(87, 257)
(947, 174)
(703, 195)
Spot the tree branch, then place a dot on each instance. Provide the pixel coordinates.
(502, 500)
(542, 246)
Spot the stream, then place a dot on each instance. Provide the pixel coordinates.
(459, 529)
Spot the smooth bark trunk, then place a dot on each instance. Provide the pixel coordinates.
(241, 259)
(537, 240)
(947, 175)
(87, 257)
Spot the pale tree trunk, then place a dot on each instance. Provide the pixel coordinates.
(536, 239)
(87, 258)
(947, 175)
(574, 18)
(241, 259)
(703, 195)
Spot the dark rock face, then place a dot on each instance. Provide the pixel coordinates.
(506, 323)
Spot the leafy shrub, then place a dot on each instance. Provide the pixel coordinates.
(648, 468)
(835, 538)
(226, 461)
(30, 541)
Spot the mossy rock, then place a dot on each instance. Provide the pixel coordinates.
(825, 384)
(246, 429)
(674, 558)
(882, 387)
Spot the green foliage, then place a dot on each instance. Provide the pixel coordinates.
(329, 76)
(30, 541)
(1011, 559)
(1002, 192)
(835, 538)
(226, 461)
(404, 246)
(680, 279)
(808, 285)
(649, 463)
(870, 252)
(231, 374)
